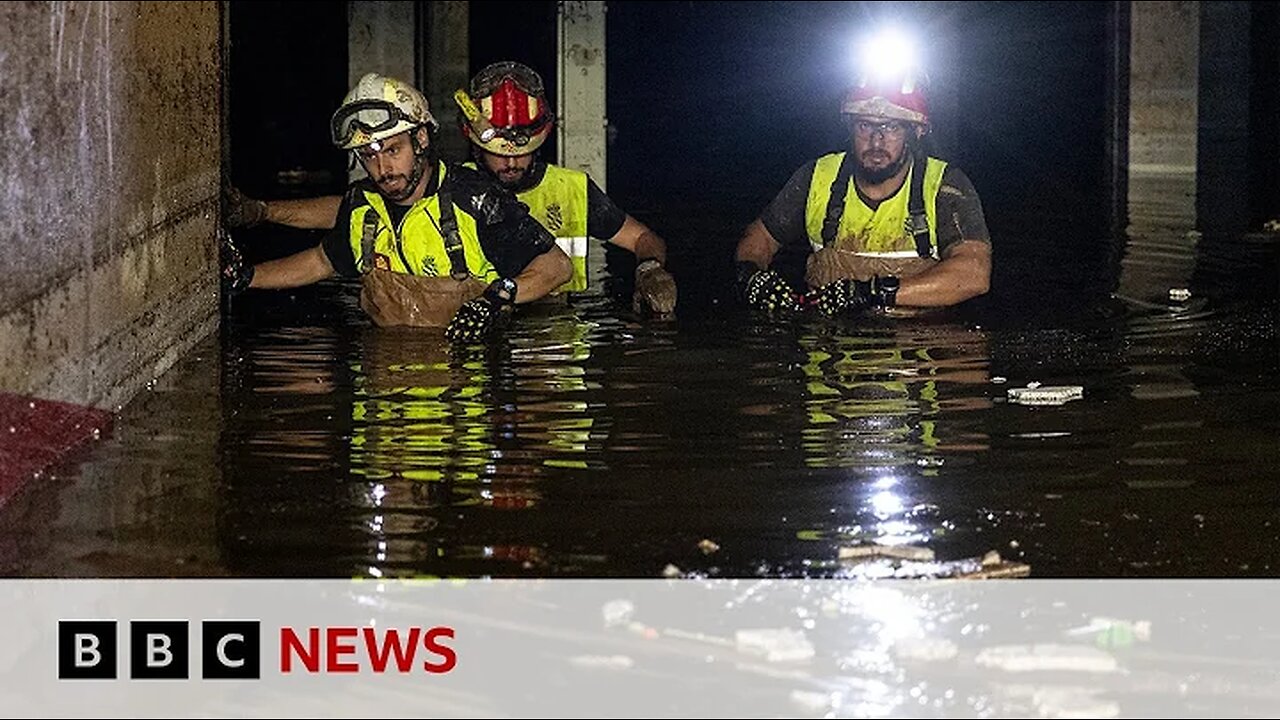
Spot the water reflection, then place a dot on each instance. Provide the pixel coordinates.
(588, 443)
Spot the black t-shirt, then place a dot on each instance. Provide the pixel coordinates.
(510, 236)
(959, 210)
(604, 217)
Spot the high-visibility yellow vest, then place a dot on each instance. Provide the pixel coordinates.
(418, 245)
(559, 203)
(883, 232)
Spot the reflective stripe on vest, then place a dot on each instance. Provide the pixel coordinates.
(418, 247)
(883, 232)
(559, 203)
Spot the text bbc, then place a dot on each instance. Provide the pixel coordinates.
(232, 650)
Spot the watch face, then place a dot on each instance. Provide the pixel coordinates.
(508, 288)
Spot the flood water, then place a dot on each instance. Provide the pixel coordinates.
(302, 442)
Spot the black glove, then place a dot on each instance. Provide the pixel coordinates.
(848, 296)
(764, 289)
(477, 318)
(236, 274)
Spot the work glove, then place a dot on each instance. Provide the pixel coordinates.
(241, 211)
(764, 290)
(655, 289)
(848, 296)
(236, 274)
(476, 319)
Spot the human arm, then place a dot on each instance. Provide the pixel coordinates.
(302, 268)
(780, 225)
(655, 288)
(964, 246)
(316, 213)
(964, 274)
(544, 273)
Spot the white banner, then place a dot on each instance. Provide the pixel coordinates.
(645, 648)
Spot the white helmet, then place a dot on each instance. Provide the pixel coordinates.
(377, 108)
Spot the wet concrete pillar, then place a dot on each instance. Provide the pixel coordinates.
(582, 125)
(581, 88)
(422, 43)
(1162, 148)
(1164, 61)
(380, 38)
(446, 67)
(109, 194)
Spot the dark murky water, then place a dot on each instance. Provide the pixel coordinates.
(303, 442)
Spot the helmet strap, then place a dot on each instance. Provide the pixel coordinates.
(424, 157)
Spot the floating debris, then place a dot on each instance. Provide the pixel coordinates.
(925, 649)
(1031, 658)
(1034, 394)
(812, 702)
(994, 567)
(1114, 633)
(708, 546)
(775, 644)
(606, 662)
(618, 612)
(872, 550)
(1179, 294)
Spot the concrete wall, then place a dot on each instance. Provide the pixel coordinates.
(1164, 64)
(380, 39)
(445, 67)
(582, 116)
(108, 193)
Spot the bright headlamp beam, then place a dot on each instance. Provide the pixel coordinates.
(887, 55)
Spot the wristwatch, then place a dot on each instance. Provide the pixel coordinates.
(501, 292)
(647, 265)
(889, 290)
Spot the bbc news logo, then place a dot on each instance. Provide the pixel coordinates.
(232, 650)
(159, 650)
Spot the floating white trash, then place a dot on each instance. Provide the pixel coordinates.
(1045, 394)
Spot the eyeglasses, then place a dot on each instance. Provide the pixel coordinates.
(371, 116)
(890, 129)
(485, 83)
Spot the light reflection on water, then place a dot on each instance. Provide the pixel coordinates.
(589, 443)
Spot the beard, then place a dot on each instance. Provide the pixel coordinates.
(512, 178)
(877, 175)
(407, 185)
(395, 187)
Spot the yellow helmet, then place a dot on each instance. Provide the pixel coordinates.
(377, 108)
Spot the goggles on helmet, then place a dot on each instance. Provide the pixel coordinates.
(369, 116)
(488, 80)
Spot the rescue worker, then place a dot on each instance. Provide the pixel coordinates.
(435, 245)
(507, 119)
(881, 225)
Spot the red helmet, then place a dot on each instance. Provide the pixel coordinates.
(901, 97)
(512, 99)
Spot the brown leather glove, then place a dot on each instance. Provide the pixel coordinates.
(655, 289)
(241, 210)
